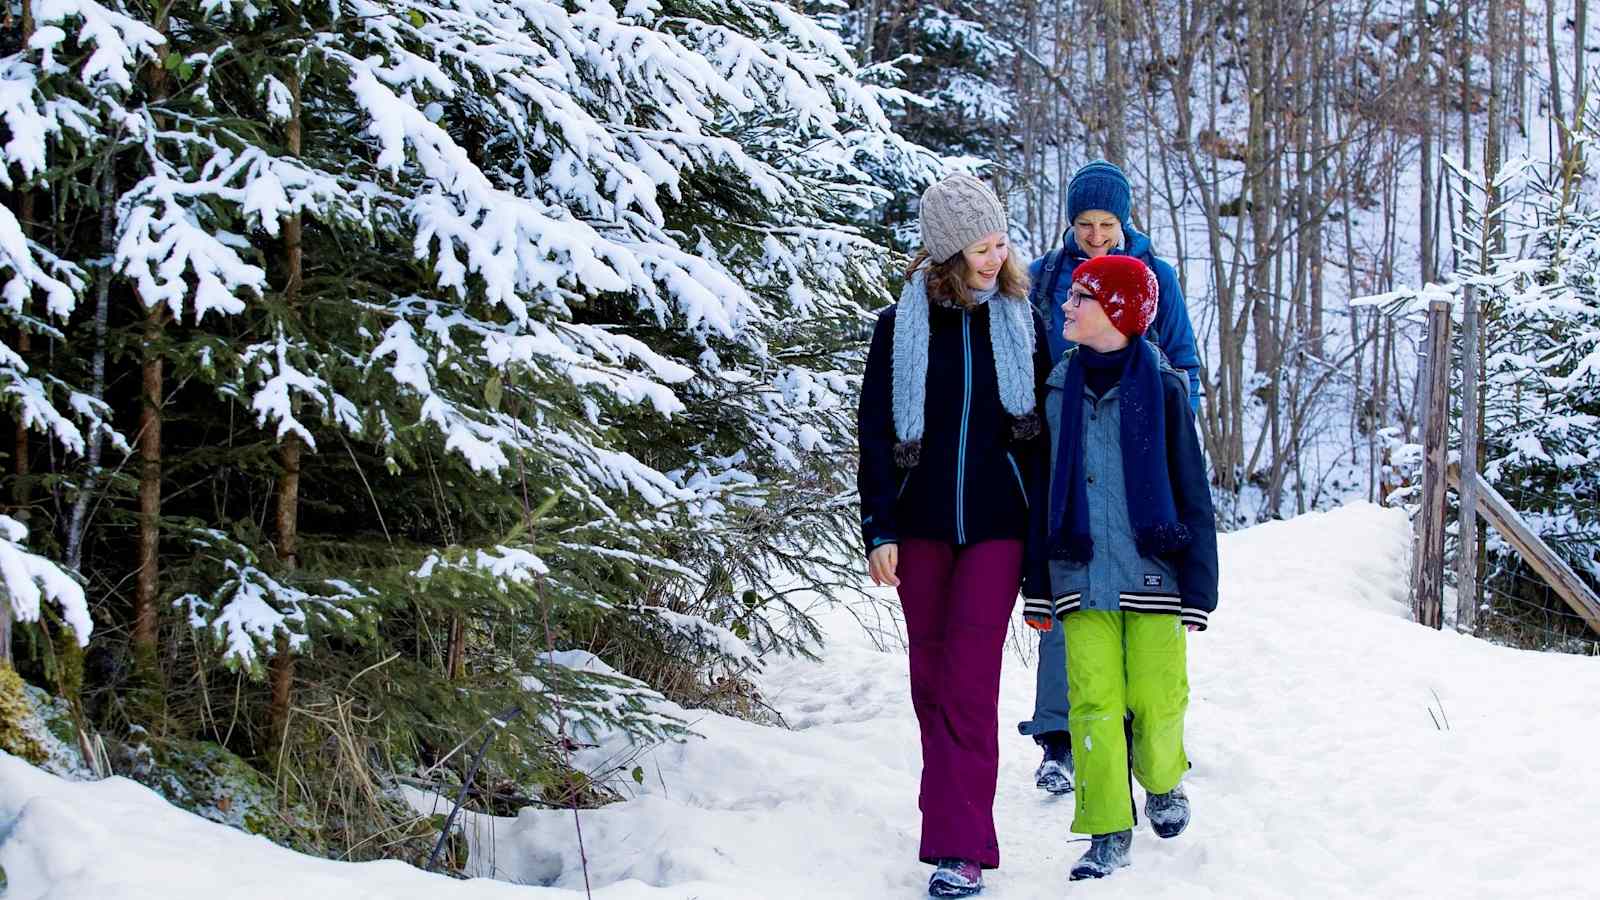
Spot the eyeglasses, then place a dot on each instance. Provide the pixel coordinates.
(1077, 295)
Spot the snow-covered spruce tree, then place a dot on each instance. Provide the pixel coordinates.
(1542, 384)
(944, 71)
(543, 307)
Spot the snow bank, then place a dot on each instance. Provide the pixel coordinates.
(1319, 771)
(118, 839)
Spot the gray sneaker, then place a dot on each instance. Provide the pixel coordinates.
(1168, 813)
(1107, 853)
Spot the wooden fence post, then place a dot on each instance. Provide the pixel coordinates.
(1467, 530)
(1427, 576)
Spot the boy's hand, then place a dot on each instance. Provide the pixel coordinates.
(882, 563)
(1191, 626)
(1036, 623)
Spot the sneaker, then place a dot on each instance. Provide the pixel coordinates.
(1055, 770)
(1107, 853)
(1168, 813)
(955, 878)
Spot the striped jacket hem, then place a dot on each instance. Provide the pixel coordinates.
(1067, 603)
(1160, 604)
(1150, 603)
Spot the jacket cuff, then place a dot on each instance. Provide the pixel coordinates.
(1036, 608)
(1193, 615)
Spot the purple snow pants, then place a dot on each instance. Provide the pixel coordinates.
(957, 603)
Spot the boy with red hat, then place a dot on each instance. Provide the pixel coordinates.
(1129, 563)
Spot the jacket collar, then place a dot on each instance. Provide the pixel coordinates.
(1058, 375)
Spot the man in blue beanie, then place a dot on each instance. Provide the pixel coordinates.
(1099, 208)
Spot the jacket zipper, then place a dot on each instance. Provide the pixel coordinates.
(1017, 471)
(966, 413)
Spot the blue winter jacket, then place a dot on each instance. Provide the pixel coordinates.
(974, 481)
(1171, 331)
(1117, 578)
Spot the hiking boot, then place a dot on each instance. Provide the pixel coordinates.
(1168, 813)
(1055, 770)
(955, 878)
(1107, 853)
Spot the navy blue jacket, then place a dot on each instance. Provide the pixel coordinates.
(974, 481)
(1171, 331)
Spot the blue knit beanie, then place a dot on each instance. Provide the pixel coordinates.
(1100, 185)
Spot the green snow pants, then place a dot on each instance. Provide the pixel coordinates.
(1116, 663)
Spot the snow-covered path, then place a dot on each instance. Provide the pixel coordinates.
(1319, 772)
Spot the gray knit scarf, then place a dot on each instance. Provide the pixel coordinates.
(1011, 338)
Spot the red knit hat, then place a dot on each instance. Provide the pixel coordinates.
(1125, 288)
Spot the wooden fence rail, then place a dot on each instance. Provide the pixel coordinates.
(1552, 568)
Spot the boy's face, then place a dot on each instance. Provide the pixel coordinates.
(1086, 320)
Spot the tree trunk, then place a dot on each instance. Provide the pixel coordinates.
(1467, 595)
(1260, 191)
(869, 32)
(1553, 58)
(1493, 146)
(1115, 88)
(1464, 63)
(77, 524)
(281, 673)
(456, 654)
(1319, 141)
(1426, 229)
(1522, 70)
(148, 583)
(1580, 35)
(290, 454)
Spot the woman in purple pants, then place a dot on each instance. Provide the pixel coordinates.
(952, 480)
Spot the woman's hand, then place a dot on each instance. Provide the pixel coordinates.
(882, 563)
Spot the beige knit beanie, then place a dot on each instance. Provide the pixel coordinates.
(956, 212)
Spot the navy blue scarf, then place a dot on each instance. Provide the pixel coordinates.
(1151, 509)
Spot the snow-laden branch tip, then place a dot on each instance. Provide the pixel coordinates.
(249, 609)
(1407, 300)
(29, 579)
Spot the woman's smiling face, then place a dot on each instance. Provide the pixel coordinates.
(1098, 232)
(984, 258)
